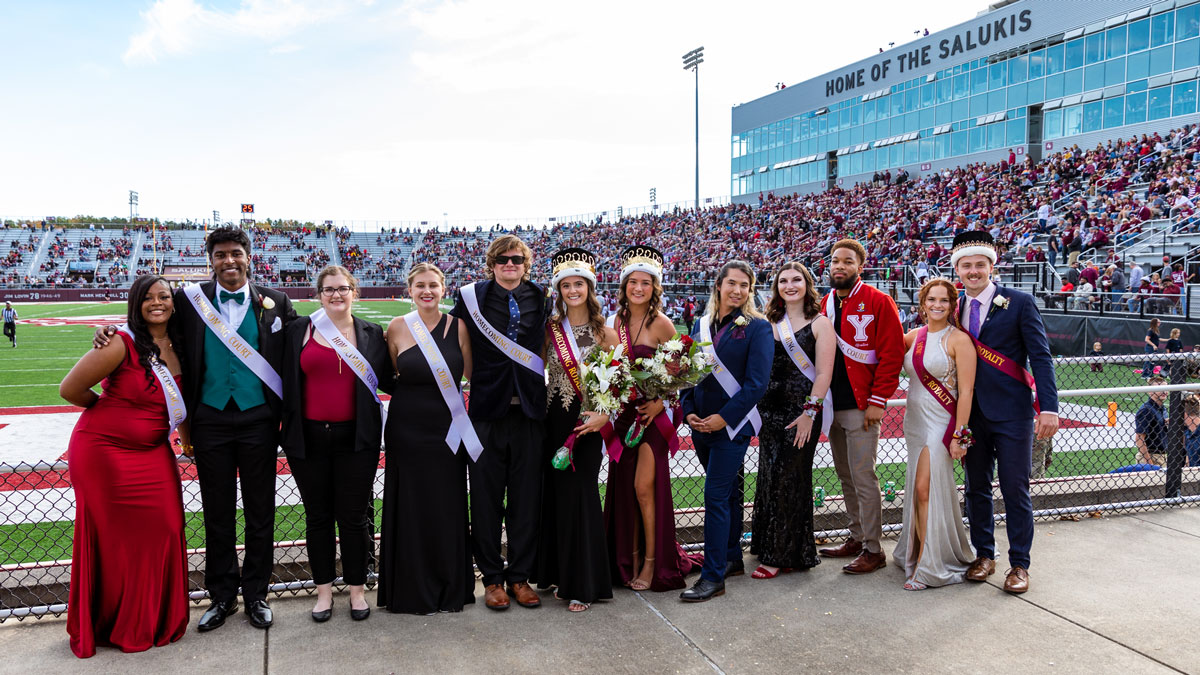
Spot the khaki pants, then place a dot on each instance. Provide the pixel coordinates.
(1159, 458)
(854, 451)
(1042, 449)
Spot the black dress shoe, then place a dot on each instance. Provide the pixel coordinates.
(735, 568)
(703, 591)
(214, 617)
(323, 615)
(259, 613)
(360, 614)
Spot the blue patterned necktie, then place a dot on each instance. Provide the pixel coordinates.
(974, 318)
(514, 318)
(238, 297)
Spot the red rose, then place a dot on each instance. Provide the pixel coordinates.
(687, 342)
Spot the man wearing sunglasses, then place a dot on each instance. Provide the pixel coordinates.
(506, 316)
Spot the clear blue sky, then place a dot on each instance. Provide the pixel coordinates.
(341, 110)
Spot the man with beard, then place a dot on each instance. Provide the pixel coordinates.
(866, 372)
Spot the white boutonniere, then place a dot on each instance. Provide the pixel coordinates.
(267, 303)
(1000, 301)
(741, 321)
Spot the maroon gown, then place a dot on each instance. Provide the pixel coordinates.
(622, 515)
(129, 584)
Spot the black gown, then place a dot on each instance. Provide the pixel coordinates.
(425, 549)
(782, 523)
(572, 552)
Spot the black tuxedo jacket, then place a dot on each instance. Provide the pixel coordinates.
(368, 421)
(270, 342)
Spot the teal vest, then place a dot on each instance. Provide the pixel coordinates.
(227, 377)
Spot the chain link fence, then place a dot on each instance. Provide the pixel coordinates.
(1093, 465)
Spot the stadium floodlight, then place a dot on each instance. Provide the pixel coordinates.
(133, 202)
(653, 195)
(692, 61)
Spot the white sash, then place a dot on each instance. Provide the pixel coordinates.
(727, 381)
(866, 356)
(232, 341)
(806, 367)
(176, 410)
(461, 429)
(350, 355)
(514, 351)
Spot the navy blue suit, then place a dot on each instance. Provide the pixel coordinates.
(1002, 422)
(747, 353)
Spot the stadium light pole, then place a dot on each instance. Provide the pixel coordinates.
(692, 61)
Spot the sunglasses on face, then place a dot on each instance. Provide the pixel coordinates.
(514, 259)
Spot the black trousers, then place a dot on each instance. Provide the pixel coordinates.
(232, 444)
(10, 331)
(511, 464)
(337, 485)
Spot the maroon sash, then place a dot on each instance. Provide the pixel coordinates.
(933, 386)
(1005, 365)
(662, 422)
(571, 365)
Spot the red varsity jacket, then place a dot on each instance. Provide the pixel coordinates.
(870, 322)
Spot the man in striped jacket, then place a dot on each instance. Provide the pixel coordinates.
(10, 323)
(866, 372)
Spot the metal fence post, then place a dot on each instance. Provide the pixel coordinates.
(1176, 452)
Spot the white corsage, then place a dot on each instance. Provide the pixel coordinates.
(268, 303)
(741, 321)
(1000, 301)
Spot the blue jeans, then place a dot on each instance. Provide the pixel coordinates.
(1148, 368)
(722, 459)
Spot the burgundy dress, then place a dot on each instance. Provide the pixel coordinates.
(129, 584)
(621, 513)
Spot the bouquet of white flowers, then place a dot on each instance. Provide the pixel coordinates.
(608, 385)
(678, 363)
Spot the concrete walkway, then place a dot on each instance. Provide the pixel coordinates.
(1112, 594)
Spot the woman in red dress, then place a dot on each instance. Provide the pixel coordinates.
(129, 584)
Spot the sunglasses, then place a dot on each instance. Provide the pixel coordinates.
(514, 259)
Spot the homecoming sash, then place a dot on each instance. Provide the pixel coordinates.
(566, 348)
(176, 411)
(851, 352)
(788, 338)
(932, 385)
(461, 430)
(1005, 365)
(350, 355)
(232, 341)
(727, 381)
(514, 351)
(666, 426)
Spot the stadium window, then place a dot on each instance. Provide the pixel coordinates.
(1139, 66)
(997, 76)
(896, 153)
(979, 105)
(1037, 64)
(1016, 94)
(882, 106)
(943, 90)
(1093, 49)
(941, 114)
(996, 100)
(1054, 59)
(1114, 72)
(1160, 60)
(941, 149)
(912, 152)
(978, 139)
(1139, 35)
(926, 149)
(1072, 120)
(856, 135)
(1018, 69)
(1054, 86)
(912, 122)
(910, 100)
(926, 118)
(881, 159)
(1159, 106)
(959, 144)
(1162, 29)
(1187, 22)
(1074, 55)
(856, 115)
(1187, 53)
(1093, 77)
(1093, 116)
(1184, 101)
(995, 134)
(1036, 91)
(1115, 41)
(961, 110)
(962, 86)
(897, 104)
(926, 98)
(1072, 81)
(1114, 112)
(1052, 124)
(843, 138)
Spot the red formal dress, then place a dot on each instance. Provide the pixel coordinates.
(129, 579)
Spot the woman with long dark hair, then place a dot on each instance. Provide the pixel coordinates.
(572, 555)
(793, 416)
(128, 572)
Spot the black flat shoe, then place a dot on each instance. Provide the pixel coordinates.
(216, 614)
(323, 615)
(703, 591)
(259, 613)
(360, 614)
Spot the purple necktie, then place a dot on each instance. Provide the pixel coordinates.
(974, 318)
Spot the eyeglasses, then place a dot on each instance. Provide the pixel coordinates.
(328, 291)
(514, 259)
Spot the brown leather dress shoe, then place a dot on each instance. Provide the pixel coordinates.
(1017, 580)
(848, 549)
(981, 569)
(494, 597)
(525, 595)
(866, 562)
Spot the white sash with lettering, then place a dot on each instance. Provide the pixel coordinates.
(727, 381)
(514, 351)
(461, 429)
(806, 367)
(232, 341)
(866, 356)
(176, 410)
(350, 356)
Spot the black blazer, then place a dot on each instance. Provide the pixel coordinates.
(369, 423)
(495, 378)
(270, 342)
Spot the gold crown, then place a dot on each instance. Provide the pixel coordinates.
(572, 264)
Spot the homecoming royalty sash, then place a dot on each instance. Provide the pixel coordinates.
(176, 411)
(1005, 365)
(461, 430)
(514, 351)
(665, 422)
(932, 385)
(866, 356)
(349, 354)
(806, 367)
(567, 350)
(232, 341)
(727, 381)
